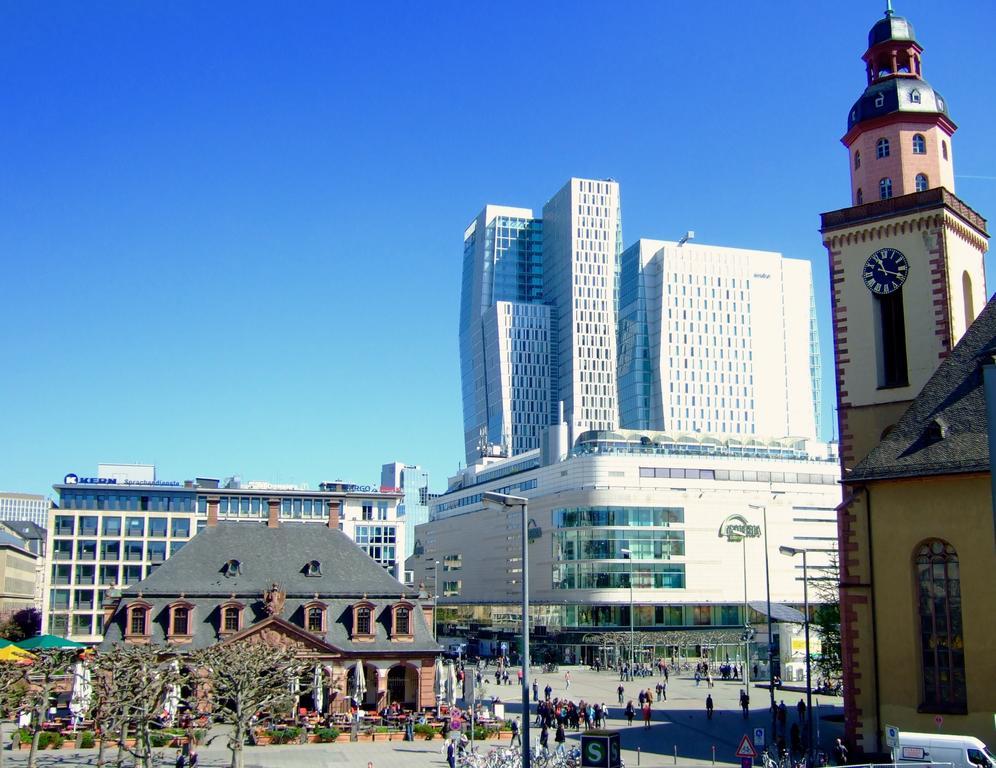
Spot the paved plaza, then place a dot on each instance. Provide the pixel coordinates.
(679, 727)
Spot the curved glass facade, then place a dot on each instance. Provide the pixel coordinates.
(588, 544)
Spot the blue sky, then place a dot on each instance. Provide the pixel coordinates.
(231, 232)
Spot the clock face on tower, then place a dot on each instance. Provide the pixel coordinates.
(885, 271)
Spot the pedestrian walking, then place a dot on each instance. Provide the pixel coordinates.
(620, 690)
(560, 738)
(545, 737)
(745, 703)
(567, 679)
(646, 714)
(630, 712)
(515, 733)
(801, 708)
(451, 755)
(839, 753)
(181, 761)
(535, 690)
(709, 706)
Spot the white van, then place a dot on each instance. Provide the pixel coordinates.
(960, 751)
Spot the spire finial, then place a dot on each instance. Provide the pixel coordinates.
(888, 8)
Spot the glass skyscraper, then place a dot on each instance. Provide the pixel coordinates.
(537, 319)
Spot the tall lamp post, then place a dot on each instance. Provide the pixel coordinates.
(504, 501)
(792, 552)
(628, 554)
(771, 635)
(435, 598)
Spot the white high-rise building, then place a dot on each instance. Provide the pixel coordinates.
(582, 237)
(24, 506)
(717, 340)
(537, 319)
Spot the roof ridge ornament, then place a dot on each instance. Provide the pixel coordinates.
(888, 8)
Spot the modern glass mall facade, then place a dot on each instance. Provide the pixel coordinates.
(630, 510)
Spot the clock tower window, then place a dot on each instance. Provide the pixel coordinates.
(885, 188)
(892, 368)
(921, 183)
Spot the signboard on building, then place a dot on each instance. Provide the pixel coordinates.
(736, 528)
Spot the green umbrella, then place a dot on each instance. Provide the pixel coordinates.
(47, 641)
(4, 642)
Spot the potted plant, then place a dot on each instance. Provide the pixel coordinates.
(325, 735)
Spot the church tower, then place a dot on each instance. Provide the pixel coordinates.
(906, 257)
(906, 279)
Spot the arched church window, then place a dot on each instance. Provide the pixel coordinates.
(861, 196)
(885, 188)
(921, 183)
(882, 148)
(942, 650)
(919, 144)
(857, 160)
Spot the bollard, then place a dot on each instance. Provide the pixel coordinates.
(675, 754)
(637, 755)
(713, 754)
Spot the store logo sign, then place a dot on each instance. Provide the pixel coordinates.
(736, 528)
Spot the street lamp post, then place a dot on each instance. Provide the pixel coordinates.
(792, 552)
(771, 635)
(506, 502)
(435, 598)
(628, 554)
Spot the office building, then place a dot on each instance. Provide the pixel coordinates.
(915, 405)
(24, 506)
(537, 319)
(111, 532)
(412, 481)
(717, 340)
(628, 507)
(31, 537)
(18, 582)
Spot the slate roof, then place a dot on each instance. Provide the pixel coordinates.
(944, 431)
(267, 556)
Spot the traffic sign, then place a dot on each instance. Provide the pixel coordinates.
(891, 736)
(759, 741)
(746, 749)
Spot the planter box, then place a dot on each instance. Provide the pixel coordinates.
(342, 738)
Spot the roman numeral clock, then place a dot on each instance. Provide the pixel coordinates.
(885, 271)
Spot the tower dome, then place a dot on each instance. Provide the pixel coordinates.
(899, 130)
(891, 29)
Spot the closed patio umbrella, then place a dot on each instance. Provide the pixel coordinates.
(359, 683)
(319, 692)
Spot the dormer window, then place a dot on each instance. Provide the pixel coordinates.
(232, 568)
(313, 568)
(363, 626)
(181, 621)
(231, 618)
(401, 621)
(915, 96)
(138, 623)
(314, 616)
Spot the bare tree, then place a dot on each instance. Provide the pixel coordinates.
(36, 682)
(130, 686)
(826, 620)
(246, 679)
(13, 685)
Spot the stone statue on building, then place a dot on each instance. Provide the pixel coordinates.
(273, 600)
